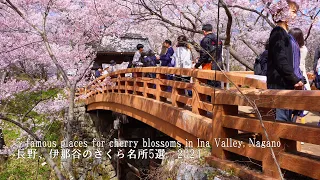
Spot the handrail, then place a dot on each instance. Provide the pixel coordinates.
(242, 79)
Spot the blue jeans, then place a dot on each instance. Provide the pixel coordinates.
(284, 115)
(281, 114)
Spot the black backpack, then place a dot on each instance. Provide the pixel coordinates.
(257, 66)
(317, 81)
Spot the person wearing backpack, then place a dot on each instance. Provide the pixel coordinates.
(208, 45)
(150, 60)
(261, 63)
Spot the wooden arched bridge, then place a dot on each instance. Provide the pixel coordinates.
(219, 116)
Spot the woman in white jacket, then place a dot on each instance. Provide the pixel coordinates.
(183, 58)
(183, 54)
(303, 56)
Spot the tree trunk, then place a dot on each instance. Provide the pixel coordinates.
(2, 143)
(4, 74)
(52, 164)
(227, 63)
(68, 131)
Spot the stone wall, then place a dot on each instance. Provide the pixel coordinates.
(87, 127)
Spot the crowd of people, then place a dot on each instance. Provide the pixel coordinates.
(108, 69)
(282, 62)
(182, 56)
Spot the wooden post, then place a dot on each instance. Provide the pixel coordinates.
(158, 87)
(126, 87)
(269, 167)
(219, 131)
(119, 84)
(135, 85)
(145, 89)
(174, 94)
(196, 97)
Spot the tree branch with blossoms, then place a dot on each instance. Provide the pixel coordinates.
(43, 151)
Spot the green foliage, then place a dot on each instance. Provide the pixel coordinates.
(54, 131)
(18, 105)
(230, 172)
(212, 174)
(24, 101)
(24, 169)
(11, 133)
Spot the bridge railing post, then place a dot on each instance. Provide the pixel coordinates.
(135, 83)
(197, 97)
(159, 89)
(219, 133)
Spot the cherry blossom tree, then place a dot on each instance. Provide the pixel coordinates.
(59, 36)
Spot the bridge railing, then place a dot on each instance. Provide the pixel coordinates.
(156, 87)
(224, 106)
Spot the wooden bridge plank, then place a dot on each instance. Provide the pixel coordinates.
(219, 131)
(286, 99)
(246, 150)
(155, 122)
(302, 165)
(291, 131)
(184, 99)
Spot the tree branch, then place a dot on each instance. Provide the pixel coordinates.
(257, 12)
(229, 24)
(42, 150)
(253, 49)
(240, 59)
(311, 25)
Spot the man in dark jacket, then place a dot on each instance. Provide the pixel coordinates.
(208, 45)
(166, 59)
(280, 70)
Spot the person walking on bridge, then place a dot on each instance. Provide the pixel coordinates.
(208, 45)
(283, 55)
(183, 59)
(166, 60)
(136, 62)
